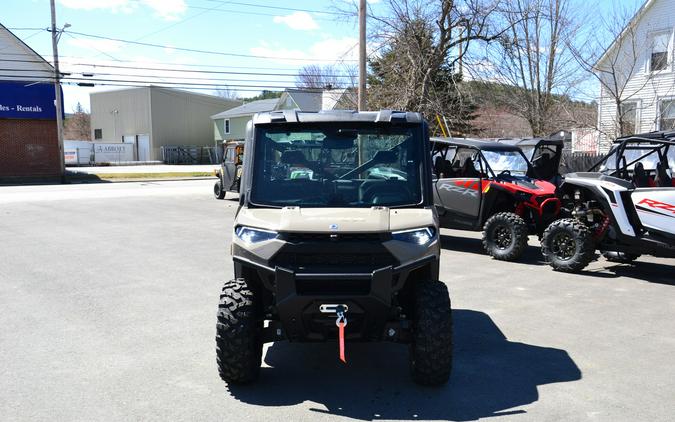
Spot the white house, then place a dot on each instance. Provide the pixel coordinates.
(637, 75)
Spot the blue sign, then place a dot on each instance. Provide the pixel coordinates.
(21, 100)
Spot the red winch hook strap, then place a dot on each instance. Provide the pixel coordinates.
(341, 324)
(341, 333)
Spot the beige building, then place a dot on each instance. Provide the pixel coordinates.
(152, 117)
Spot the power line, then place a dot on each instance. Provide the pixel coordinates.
(167, 77)
(243, 12)
(190, 88)
(28, 29)
(132, 81)
(191, 50)
(210, 72)
(281, 8)
(151, 62)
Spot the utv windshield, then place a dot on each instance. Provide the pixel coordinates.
(337, 166)
(645, 154)
(511, 161)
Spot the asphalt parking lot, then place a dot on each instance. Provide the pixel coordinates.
(108, 296)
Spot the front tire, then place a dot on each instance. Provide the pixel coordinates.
(567, 245)
(218, 190)
(238, 342)
(505, 236)
(431, 348)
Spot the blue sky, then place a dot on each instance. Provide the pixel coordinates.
(289, 39)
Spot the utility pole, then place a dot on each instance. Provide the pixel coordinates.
(57, 88)
(362, 55)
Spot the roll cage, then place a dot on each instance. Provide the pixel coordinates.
(441, 147)
(628, 156)
(544, 154)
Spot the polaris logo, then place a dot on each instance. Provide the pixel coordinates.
(658, 205)
(333, 227)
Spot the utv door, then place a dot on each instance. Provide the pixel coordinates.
(655, 208)
(229, 167)
(458, 192)
(545, 160)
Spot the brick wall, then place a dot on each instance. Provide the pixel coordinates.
(28, 148)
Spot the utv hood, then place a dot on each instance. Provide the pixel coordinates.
(534, 186)
(298, 219)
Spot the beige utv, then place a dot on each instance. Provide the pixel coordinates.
(336, 239)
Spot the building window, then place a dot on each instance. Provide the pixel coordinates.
(660, 48)
(667, 115)
(226, 126)
(98, 133)
(628, 117)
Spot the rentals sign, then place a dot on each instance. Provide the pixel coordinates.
(21, 100)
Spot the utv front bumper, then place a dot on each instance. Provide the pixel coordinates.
(377, 298)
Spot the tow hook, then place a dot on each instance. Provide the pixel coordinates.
(341, 322)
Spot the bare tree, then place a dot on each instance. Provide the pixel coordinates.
(226, 93)
(533, 62)
(419, 46)
(323, 77)
(78, 125)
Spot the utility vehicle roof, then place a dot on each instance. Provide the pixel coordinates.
(296, 116)
(476, 143)
(521, 142)
(660, 137)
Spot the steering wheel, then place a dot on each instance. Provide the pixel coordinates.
(379, 188)
(505, 173)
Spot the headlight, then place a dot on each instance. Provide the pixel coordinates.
(251, 235)
(417, 236)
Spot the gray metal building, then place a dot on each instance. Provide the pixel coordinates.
(152, 117)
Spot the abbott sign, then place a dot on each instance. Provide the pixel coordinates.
(112, 153)
(20, 100)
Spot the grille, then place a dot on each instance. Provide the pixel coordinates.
(366, 260)
(334, 252)
(333, 287)
(334, 237)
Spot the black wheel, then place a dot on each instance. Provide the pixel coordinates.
(218, 190)
(431, 348)
(505, 236)
(567, 245)
(620, 257)
(238, 342)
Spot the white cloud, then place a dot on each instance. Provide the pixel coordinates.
(331, 49)
(166, 9)
(301, 21)
(103, 46)
(114, 5)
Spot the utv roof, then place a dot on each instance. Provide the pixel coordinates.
(476, 143)
(296, 116)
(522, 142)
(660, 137)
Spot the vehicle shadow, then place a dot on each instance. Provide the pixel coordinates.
(645, 271)
(491, 376)
(531, 256)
